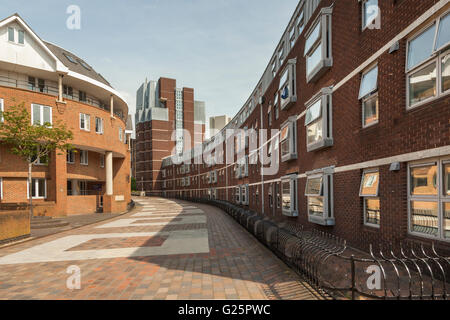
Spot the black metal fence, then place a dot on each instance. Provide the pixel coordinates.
(408, 271)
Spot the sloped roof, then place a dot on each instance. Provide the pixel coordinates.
(76, 66)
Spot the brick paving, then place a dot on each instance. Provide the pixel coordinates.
(216, 260)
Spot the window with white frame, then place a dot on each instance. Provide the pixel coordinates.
(292, 36)
(287, 87)
(318, 46)
(237, 195)
(429, 199)
(318, 121)
(70, 156)
(21, 36)
(85, 122)
(84, 157)
(368, 94)
(244, 194)
(289, 195)
(301, 21)
(40, 161)
(428, 62)
(120, 134)
(319, 191)
(11, 34)
(1, 188)
(281, 55)
(99, 125)
(83, 187)
(370, 12)
(38, 189)
(102, 161)
(369, 191)
(41, 115)
(2, 109)
(288, 140)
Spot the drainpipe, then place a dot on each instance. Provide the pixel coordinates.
(60, 87)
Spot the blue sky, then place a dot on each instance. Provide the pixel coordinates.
(218, 47)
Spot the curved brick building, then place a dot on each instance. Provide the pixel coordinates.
(359, 91)
(56, 85)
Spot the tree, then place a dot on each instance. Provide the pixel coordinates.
(32, 142)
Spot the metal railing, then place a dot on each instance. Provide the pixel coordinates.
(408, 271)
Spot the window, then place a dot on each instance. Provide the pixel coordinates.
(70, 157)
(269, 116)
(83, 187)
(276, 106)
(31, 83)
(287, 88)
(292, 37)
(38, 189)
(301, 21)
(270, 196)
(288, 140)
(41, 85)
(41, 115)
(102, 161)
(68, 91)
(318, 46)
(369, 12)
(429, 199)
(319, 191)
(318, 121)
(40, 161)
(70, 58)
(1, 188)
(85, 122)
(289, 195)
(11, 36)
(277, 192)
(244, 194)
(2, 109)
(369, 191)
(281, 55)
(237, 195)
(257, 194)
(82, 96)
(427, 63)
(21, 35)
(99, 125)
(369, 97)
(84, 157)
(84, 64)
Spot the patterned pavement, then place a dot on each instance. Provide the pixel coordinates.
(163, 249)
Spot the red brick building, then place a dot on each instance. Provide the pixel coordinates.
(359, 94)
(168, 121)
(56, 85)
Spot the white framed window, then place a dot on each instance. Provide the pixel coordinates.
(102, 161)
(368, 94)
(41, 115)
(99, 125)
(40, 161)
(83, 187)
(281, 55)
(288, 140)
(84, 157)
(2, 109)
(292, 36)
(369, 192)
(301, 21)
(237, 195)
(1, 188)
(38, 189)
(85, 122)
(244, 194)
(318, 121)
(370, 12)
(319, 191)
(429, 199)
(427, 63)
(70, 157)
(318, 46)
(287, 87)
(11, 34)
(289, 196)
(21, 37)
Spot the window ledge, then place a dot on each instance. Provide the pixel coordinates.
(318, 71)
(292, 156)
(289, 213)
(288, 103)
(324, 143)
(328, 222)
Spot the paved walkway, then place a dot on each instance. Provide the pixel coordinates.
(161, 250)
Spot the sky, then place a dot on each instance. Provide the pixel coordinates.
(218, 47)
